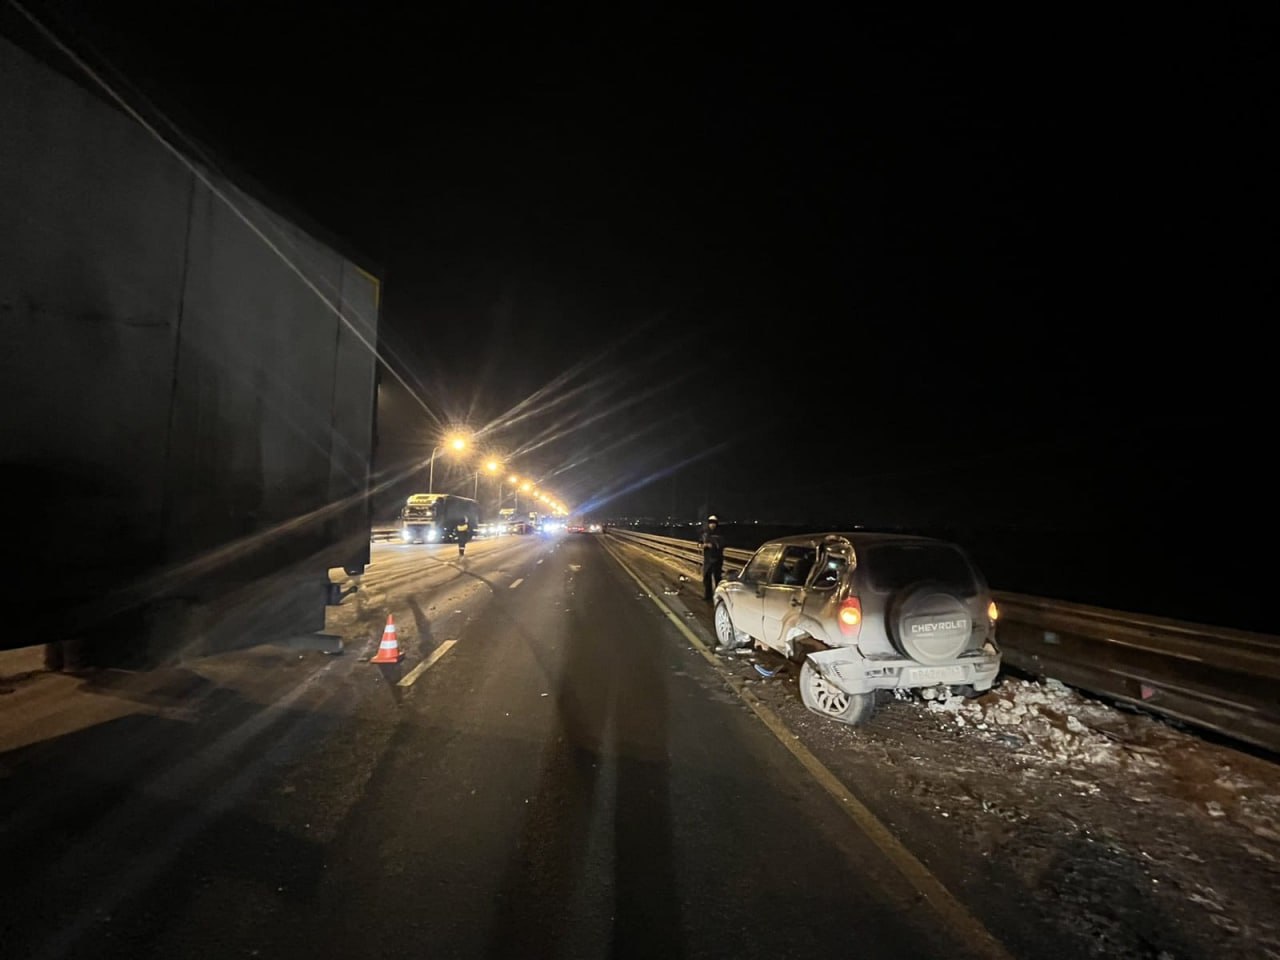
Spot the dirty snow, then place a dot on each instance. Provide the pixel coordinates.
(1132, 836)
(1047, 721)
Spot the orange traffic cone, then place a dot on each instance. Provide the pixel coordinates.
(389, 649)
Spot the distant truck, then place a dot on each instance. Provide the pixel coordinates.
(188, 382)
(434, 517)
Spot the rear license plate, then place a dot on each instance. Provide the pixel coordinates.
(935, 675)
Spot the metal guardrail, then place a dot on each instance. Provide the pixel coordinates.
(672, 548)
(1212, 678)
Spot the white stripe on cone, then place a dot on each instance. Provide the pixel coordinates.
(389, 639)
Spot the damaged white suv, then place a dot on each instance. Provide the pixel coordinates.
(865, 612)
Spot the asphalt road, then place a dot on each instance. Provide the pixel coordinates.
(568, 778)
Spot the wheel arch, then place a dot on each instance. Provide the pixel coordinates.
(804, 635)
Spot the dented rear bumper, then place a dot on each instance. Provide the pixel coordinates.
(851, 672)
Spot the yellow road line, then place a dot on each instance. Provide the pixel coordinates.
(930, 888)
(425, 665)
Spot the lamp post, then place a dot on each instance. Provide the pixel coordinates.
(457, 443)
(515, 486)
(493, 466)
(431, 475)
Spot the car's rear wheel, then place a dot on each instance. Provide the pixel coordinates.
(823, 697)
(726, 633)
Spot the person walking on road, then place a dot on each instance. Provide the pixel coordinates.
(712, 557)
(464, 535)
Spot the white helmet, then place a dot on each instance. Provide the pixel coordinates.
(712, 519)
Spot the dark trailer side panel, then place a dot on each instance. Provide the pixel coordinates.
(188, 425)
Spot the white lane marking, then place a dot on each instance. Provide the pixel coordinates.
(515, 583)
(420, 669)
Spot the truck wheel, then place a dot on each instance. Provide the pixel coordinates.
(825, 698)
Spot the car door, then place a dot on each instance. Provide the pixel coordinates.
(834, 559)
(747, 591)
(783, 595)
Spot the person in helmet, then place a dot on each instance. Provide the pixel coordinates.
(712, 557)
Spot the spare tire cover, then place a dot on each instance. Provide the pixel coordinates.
(928, 624)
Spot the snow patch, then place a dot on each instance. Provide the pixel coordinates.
(1052, 722)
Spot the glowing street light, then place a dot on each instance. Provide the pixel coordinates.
(457, 443)
(522, 486)
(493, 466)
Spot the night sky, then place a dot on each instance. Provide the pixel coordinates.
(780, 262)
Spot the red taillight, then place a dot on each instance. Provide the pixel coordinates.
(850, 616)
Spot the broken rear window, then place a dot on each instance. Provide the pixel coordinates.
(894, 566)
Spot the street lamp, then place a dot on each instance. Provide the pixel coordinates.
(493, 466)
(457, 444)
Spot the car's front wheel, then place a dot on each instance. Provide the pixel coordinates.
(728, 636)
(823, 697)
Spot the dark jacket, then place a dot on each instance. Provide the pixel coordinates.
(464, 531)
(712, 548)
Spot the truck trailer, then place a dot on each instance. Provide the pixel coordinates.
(434, 517)
(188, 387)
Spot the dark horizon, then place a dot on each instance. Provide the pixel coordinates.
(959, 272)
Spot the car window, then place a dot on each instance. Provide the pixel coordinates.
(833, 568)
(795, 565)
(894, 566)
(757, 568)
